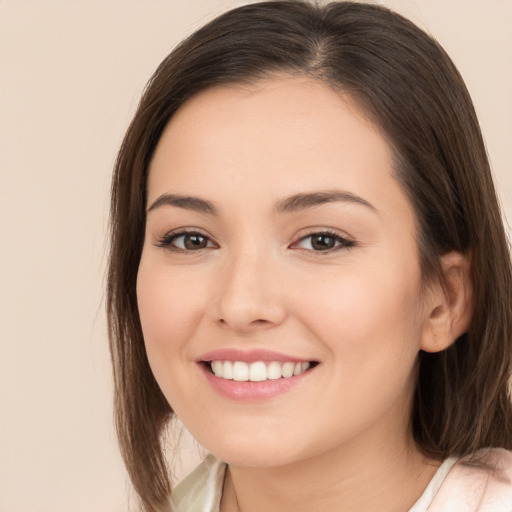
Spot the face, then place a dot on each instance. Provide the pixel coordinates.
(279, 286)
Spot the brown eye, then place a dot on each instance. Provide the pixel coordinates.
(185, 241)
(323, 242)
(194, 241)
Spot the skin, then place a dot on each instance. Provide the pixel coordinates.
(339, 440)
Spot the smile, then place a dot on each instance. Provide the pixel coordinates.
(253, 375)
(257, 371)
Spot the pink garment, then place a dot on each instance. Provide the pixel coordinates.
(470, 488)
(457, 486)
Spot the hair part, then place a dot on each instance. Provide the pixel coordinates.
(410, 88)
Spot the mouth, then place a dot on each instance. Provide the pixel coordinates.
(257, 371)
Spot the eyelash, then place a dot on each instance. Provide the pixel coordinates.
(342, 242)
(167, 240)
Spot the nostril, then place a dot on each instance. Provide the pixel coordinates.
(248, 325)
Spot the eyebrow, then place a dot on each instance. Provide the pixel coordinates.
(290, 204)
(308, 200)
(186, 202)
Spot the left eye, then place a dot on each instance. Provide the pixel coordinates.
(191, 241)
(186, 241)
(322, 242)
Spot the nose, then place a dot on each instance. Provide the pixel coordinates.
(249, 295)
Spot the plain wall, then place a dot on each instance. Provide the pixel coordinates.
(71, 73)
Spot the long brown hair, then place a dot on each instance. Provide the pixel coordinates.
(408, 85)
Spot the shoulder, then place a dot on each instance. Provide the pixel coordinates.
(201, 490)
(482, 482)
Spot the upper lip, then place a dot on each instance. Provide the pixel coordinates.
(249, 356)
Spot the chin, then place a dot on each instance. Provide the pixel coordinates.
(256, 449)
(254, 458)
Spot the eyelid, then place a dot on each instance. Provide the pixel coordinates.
(343, 240)
(166, 240)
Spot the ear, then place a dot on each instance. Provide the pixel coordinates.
(450, 304)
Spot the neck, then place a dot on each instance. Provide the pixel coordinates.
(353, 479)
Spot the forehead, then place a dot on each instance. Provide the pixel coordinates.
(273, 138)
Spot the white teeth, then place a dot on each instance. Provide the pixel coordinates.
(258, 371)
(287, 369)
(240, 371)
(274, 370)
(217, 368)
(227, 370)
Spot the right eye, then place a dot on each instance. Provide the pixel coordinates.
(186, 241)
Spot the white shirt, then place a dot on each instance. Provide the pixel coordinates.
(457, 486)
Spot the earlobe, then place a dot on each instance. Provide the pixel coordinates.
(450, 308)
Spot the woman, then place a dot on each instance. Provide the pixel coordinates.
(309, 268)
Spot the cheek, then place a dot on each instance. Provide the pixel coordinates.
(367, 313)
(170, 308)
(370, 326)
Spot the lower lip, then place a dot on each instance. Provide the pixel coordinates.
(248, 391)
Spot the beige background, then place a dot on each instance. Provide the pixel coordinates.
(71, 73)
